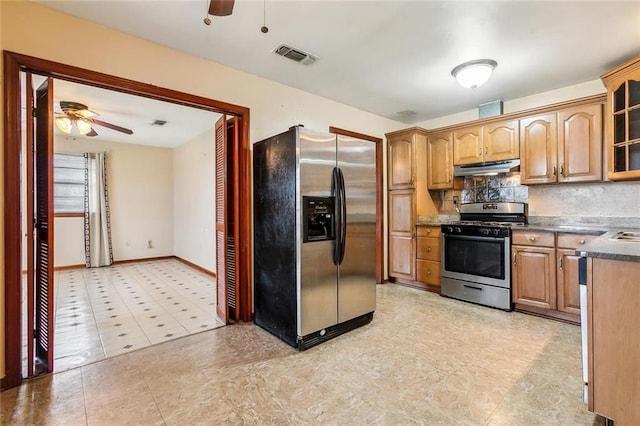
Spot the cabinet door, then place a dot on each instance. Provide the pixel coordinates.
(467, 146)
(402, 211)
(534, 276)
(401, 162)
(580, 144)
(428, 272)
(538, 146)
(402, 256)
(567, 282)
(440, 164)
(501, 140)
(402, 241)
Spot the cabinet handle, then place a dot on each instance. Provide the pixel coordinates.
(428, 249)
(554, 170)
(562, 169)
(560, 262)
(412, 181)
(582, 241)
(428, 271)
(532, 239)
(449, 178)
(515, 256)
(428, 231)
(486, 150)
(413, 235)
(480, 152)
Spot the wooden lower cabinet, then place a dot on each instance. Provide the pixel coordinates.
(402, 243)
(568, 294)
(534, 276)
(545, 273)
(428, 257)
(613, 295)
(401, 256)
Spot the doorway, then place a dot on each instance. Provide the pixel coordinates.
(236, 156)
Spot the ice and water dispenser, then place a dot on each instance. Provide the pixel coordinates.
(318, 218)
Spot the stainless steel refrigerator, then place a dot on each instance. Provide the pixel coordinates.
(314, 235)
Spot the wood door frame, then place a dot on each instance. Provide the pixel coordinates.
(14, 63)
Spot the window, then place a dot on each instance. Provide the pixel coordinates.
(68, 183)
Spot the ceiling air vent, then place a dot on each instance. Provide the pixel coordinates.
(295, 54)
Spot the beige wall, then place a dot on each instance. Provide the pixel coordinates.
(140, 180)
(274, 107)
(194, 200)
(179, 218)
(588, 88)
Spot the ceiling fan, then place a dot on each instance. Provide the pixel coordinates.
(221, 7)
(84, 120)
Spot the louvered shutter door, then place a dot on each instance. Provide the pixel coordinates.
(221, 222)
(44, 228)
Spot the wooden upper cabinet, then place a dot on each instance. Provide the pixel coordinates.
(538, 147)
(440, 161)
(501, 140)
(467, 146)
(401, 161)
(622, 115)
(580, 143)
(490, 142)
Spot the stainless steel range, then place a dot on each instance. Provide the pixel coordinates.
(476, 253)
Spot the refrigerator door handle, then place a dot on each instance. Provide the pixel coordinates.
(343, 217)
(335, 192)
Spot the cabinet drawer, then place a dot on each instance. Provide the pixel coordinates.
(428, 249)
(428, 231)
(533, 238)
(573, 241)
(428, 272)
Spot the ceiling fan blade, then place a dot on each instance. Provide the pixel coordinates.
(221, 7)
(92, 133)
(110, 126)
(86, 113)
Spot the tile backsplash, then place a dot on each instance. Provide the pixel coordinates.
(481, 189)
(502, 187)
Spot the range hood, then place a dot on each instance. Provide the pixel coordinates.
(490, 168)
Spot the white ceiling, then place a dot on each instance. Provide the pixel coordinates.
(135, 113)
(391, 56)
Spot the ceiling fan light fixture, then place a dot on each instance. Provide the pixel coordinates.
(63, 124)
(84, 126)
(474, 73)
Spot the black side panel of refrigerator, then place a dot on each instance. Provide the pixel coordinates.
(274, 233)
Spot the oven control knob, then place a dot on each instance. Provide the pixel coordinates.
(457, 229)
(496, 232)
(485, 232)
(448, 229)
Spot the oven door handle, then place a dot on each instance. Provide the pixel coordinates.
(469, 238)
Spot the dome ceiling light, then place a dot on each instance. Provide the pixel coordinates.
(474, 73)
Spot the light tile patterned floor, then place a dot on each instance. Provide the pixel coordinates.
(102, 312)
(423, 360)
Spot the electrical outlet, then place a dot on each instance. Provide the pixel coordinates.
(150, 244)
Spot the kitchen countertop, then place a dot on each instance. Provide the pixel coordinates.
(601, 247)
(606, 248)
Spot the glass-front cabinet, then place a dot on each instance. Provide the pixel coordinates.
(623, 120)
